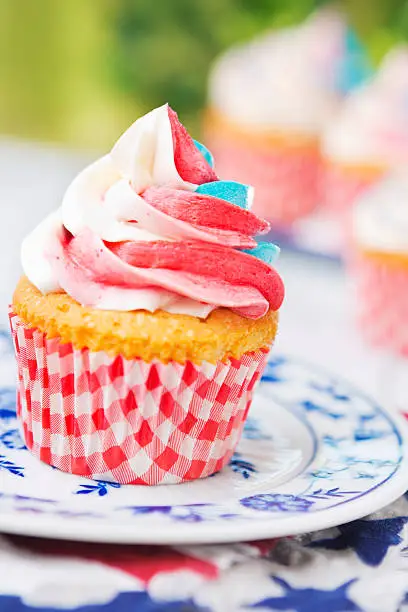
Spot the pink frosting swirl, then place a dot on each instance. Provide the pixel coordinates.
(133, 233)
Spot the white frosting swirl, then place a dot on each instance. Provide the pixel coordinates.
(101, 198)
(133, 233)
(372, 126)
(284, 79)
(380, 218)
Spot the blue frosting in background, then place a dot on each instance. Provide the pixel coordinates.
(355, 66)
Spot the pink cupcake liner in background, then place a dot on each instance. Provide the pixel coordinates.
(339, 188)
(129, 421)
(382, 297)
(285, 179)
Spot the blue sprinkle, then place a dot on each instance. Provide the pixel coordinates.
(237, 193)
(205, 153)
(266, 251)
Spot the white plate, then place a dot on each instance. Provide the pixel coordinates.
(315, 453)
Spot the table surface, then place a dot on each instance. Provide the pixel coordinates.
(361, 566)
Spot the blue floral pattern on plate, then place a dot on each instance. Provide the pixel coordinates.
(311, 444)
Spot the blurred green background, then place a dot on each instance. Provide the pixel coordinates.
(79, 71)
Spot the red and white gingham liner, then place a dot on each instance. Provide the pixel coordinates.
(382, 297)
(127, 420)
(285, 179)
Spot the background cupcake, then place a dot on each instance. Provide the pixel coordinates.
(380, 263)
(268, 103)
(368, 137)
(145, 317)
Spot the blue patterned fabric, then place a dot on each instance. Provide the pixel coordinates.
(361, 566)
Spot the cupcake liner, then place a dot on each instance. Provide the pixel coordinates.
(382, 297)
(129, 421)
(284, 172)
(341, 185)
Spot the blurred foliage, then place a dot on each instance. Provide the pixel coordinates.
(55, 72)
(164, 48)
(381, 23)
(79, 71)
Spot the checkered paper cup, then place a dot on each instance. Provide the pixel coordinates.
(382, 295)
(284, 170)
(129, 421)
(341, 185)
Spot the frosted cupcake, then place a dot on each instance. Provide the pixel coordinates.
(268, 103)
(145, 315)
(369, 136)
(380, 266)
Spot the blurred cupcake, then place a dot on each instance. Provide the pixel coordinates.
(380, 263)
(368, 137)
(145, 315)
(268, 103)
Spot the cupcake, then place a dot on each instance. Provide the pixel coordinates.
(145, 314)
(268, 103)
(368, 138)
(380, 263)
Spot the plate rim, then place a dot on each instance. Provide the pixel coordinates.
(240, 530)
(213, 533)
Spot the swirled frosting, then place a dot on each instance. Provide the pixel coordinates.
(380, 217)
(149, 226)
(372, 126)
(292, 78)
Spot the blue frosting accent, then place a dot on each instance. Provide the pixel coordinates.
(355, 67)
(237, 193)
(205, 153)
(266, 251)
(241, 195)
